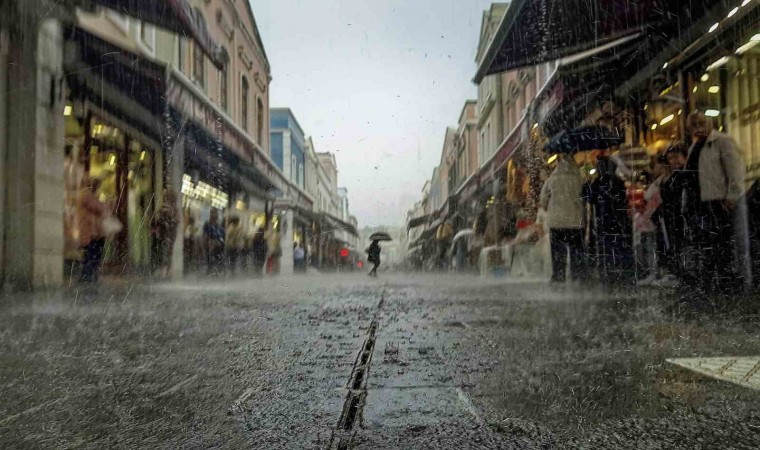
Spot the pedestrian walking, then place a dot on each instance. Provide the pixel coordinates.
(274, 250)
(299, 257)
(443, 236)
(91, 213)
(612, 224)
(213, 244)
(561, 199)
(233, 243)
(259, 251)
(373, 256)
(714, 185)
(191, 246)
(164, 233)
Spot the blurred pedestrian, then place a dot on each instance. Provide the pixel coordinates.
(91, 213)
(613, 228)
(373, 256)
(274, 250)
(192, 258)
(213, 244)
(299, 258)
(233, 243)
(164, 232)
(561, 199)
(714, 184)
(672, 219)
(259, 251)
(443, 236)
(645, 224)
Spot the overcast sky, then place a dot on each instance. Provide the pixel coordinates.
(376, 82)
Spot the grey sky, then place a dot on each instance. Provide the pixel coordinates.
(376, 82)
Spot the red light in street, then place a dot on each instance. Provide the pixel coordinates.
(360, 264)
(344, 253)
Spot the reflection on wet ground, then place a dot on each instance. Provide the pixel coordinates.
(455, 362)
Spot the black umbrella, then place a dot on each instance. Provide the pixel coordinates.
(584, 138)
(380, 236)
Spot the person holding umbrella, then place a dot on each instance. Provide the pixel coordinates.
(373, 252)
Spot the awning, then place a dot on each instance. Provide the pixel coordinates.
(337, 224)
(537, 31)
(417, 221)
(586, 80)
(174, 15)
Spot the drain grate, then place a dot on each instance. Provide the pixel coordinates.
(356, 397)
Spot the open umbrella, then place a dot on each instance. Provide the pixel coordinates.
(590, 137)
(380, 236)
(464, 233)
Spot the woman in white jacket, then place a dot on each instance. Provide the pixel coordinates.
(561, 198)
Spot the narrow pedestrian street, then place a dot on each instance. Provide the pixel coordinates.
(346, 361)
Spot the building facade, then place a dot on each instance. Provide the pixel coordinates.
(288, 145)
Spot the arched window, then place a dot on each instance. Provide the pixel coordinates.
(244, 88)
(260, 121)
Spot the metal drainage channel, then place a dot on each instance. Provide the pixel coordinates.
(342, 436)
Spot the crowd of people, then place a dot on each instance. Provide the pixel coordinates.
(686, 227)
(218, 249)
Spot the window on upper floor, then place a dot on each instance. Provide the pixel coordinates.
(199, 65)
(244, 88)
(223, 88)
(259, 121)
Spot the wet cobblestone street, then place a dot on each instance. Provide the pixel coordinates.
(344, 361)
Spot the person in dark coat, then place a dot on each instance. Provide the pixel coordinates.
(213, 244)
(613, 227)
(373, 256)
(671, 214)
(259, 250)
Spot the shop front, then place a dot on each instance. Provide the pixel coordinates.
(128, 166)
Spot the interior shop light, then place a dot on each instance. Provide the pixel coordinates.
(733, 11)
(713, 89)
(667, 119)
(535, 125)
(665, 66)
(142, 155)
(592, 171)
(551, 159)
(654, 126)
(713, 27)
(112, 159)
(696, 88)
(67, 110)
(755, 38)
(705, 77)
(746, 2)
(712, 113)
(720, 62)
